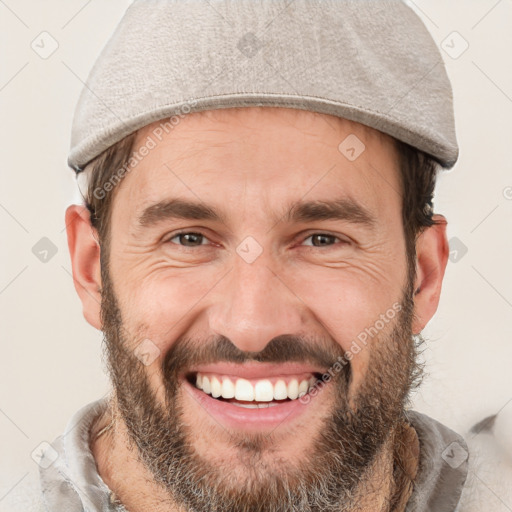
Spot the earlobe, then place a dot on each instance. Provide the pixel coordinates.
(84, 250)
(431, 259)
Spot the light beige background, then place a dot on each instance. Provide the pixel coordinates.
(50, 363)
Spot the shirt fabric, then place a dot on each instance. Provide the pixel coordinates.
(69, 480)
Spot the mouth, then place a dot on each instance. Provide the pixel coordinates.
(254, 403)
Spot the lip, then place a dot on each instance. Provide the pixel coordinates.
(240, 418)
(256, 371)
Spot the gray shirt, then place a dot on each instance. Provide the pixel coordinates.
(70, 482)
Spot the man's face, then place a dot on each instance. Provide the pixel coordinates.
(260, 293)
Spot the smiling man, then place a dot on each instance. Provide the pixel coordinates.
(259, 249)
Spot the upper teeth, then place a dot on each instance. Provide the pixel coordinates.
(259, 391)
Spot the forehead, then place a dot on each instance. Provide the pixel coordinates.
(261, 157)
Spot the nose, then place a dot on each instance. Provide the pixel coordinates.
(254, 304)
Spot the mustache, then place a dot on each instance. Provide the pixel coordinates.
(187, 353)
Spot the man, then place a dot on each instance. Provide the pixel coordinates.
(259, 248)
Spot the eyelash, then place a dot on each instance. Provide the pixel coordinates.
(175, 235)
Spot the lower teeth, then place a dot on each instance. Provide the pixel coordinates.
(255, 406)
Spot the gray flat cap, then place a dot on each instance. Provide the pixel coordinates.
(370, 61)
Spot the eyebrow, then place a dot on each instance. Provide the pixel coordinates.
(346, 209)
(178, 209)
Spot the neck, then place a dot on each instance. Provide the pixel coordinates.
(120, 468)
(386, 487)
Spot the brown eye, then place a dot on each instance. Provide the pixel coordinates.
(189, 239)
(322, 239)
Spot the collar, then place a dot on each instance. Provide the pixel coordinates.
(443, 466)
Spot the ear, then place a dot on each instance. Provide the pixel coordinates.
(84, 250)
(432, 253)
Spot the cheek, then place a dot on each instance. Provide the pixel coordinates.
(353, 310)
(161, 305)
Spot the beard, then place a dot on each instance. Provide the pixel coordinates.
(339, 459)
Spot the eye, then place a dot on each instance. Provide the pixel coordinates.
(189, 239)
(193, 239)
(323, 239)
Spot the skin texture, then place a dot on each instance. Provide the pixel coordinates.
(206, 301)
